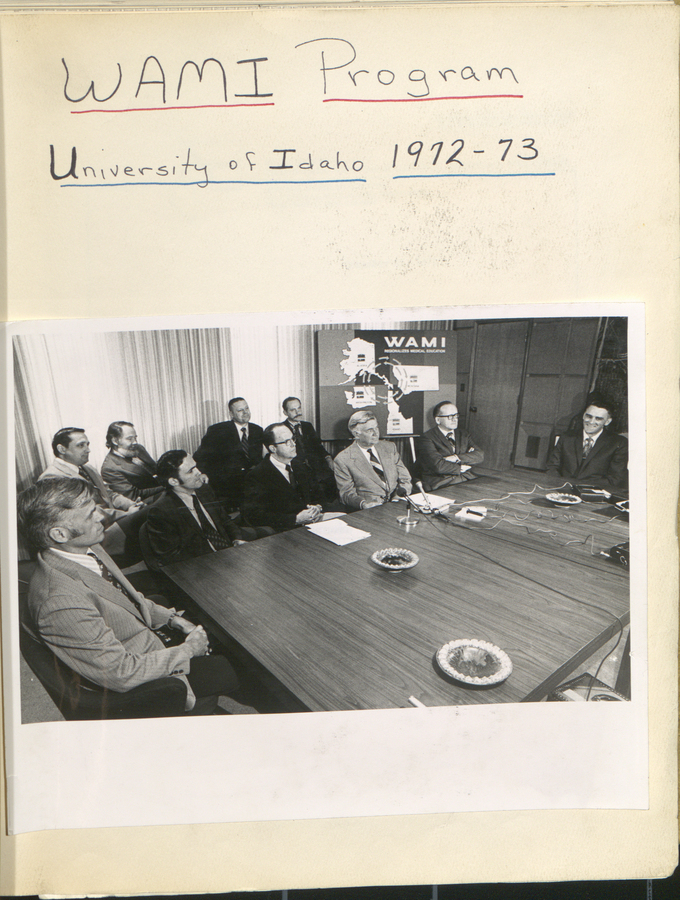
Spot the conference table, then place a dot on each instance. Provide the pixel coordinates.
(340, 633)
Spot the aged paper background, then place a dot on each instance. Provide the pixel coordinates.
(599, 95)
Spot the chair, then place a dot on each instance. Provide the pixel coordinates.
(148, 555)
(75, 697)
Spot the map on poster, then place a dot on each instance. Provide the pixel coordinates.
(397, 375)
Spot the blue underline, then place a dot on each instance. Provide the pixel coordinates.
(205, 184)
(471, 175)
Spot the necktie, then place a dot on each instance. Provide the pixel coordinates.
(216, 540)
(291, 477)
(377, 466)
(297, 434)
(100, 500)
(587, 446)
(244, 440)
(111, 578)
(451, 438)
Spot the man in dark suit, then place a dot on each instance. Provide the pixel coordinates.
(229, 450)
(89, 614)
(310, 451)
(370, 471)
(278, 492)
(128, 468)
(187, 521)
(593, 455)
(446, 453)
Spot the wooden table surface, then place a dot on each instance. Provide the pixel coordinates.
(341, 634)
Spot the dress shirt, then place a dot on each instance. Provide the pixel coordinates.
(188, 501)
(282, 467)
(446, 432)
(591, 437)
(87, 560)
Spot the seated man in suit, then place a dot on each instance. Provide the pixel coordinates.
(71, 448)
(309, 448)
(446, 453)
(278, 492)
(128, 469)
(229, 450)
(187, 521)
(91, 617)
(370, 471)
(122, 515)
(593, 455)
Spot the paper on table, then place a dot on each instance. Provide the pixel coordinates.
(339, 532)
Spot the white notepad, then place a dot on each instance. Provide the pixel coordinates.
(338, 532)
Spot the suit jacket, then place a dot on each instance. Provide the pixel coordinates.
(269, 498)
(432, 448)
(222, 458)
(130, 479)
(606, 466)
(357, 480)
(99, 632)
(107, 499)
(309, 443)
(314, 455)
(174, 533)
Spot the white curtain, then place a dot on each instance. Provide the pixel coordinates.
(172, 384)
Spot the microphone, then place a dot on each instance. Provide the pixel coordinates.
(419, 485)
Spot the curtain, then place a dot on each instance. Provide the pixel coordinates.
(172, 383)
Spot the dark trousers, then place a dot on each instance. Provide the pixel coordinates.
(211, 676)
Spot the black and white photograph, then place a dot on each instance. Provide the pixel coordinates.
(427, 514)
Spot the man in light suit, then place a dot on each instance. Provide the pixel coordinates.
(128, 469)
(91, 617)
(71, 448)
(229, 450)
(187, 521)
(309, 449)
(122, 515)
(278, 492)
(369, 471)
(592, 456)
(446, 453)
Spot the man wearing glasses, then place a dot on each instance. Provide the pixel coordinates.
(446, 453)
(278, 492)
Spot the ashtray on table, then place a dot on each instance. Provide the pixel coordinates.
(563, 499)
(394, 559)
(474, 662)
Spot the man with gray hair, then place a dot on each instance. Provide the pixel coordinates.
(370, 471)
(92, 618)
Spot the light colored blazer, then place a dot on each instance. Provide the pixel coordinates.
(99, 632)
(357, 480)
(113, 500)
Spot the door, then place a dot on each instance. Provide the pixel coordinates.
(496, 379)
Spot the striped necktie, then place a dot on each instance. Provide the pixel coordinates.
(377, 465)
(244, 440)
(216, 540)
(587, 446)
(451, 438)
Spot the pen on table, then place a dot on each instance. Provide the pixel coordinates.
(415, 702)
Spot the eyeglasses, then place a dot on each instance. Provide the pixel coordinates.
(287, 441)
(452, 416)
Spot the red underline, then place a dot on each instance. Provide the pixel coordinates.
(80, 112)
(425, 99)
